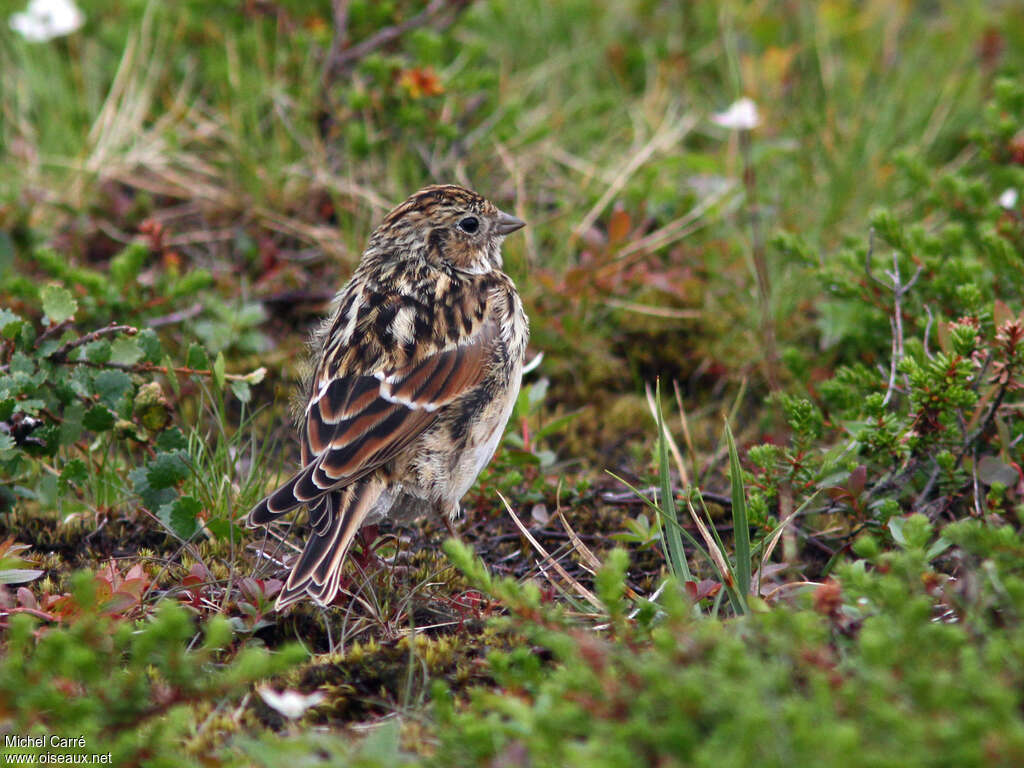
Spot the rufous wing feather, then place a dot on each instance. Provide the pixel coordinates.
(353, 425)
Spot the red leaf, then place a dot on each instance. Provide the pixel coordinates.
(618, 226)
(857, 480)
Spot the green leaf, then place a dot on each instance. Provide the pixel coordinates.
(31, 406)
(911, 532)
(242, 390)
(75, 472)
(152, 498)
(197, 359)
(190, 282)
(125, 266)
(111, 386)
(171, 440)
(180, 516)
(672, 542)
(223, 530)
(58, 303)
(98, 352)
(19, 575)
(150, 344)
(250, 314)
(740, 520)
(610, 582)
(167, 469)
(10, 323)
(219, 366)
(172, 375)
(99, 418)
(126, 351)
(22, 364)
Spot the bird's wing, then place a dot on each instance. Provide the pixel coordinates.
(357, 422)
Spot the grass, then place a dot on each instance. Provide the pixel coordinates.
(197, 174)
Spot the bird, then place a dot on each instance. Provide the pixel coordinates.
(413, 377)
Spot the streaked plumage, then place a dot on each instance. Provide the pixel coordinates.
(414, 377)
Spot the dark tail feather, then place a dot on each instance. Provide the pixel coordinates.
(278, 503)
(337, 518)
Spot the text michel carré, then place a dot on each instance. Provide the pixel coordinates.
(38, 742)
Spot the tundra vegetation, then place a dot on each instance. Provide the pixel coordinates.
(761, 500)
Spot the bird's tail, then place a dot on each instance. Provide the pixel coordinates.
(334, 522)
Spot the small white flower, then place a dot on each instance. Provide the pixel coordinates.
(741, 115)
(46, 19)
(291, 704)
(1008, 199)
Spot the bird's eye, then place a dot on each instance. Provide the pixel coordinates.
(470, 224)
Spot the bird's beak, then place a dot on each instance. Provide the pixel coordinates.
(507, 224)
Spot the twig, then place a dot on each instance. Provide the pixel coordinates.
(31, 612)
(922, 497)
(629, 497)
(587, 595)
(252, 377)
(346, 57)
(899, 290)
(339, 9)
(176, 317)
(927, 331)
(974, 481)
(53, 330)
(894, 358)
(61, 354)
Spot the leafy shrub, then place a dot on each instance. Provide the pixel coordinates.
(81, 410)
(128, 688)
(891, 665)
(927, 421)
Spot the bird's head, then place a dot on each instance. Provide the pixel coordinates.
(446, 225)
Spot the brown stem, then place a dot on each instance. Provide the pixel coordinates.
(768, 330)
(61, 354)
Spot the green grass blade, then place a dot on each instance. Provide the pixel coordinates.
(693, 542)
(740, 521)
(736, 597)
(676, 554)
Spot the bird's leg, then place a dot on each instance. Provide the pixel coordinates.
(456, 513)
(366, 537)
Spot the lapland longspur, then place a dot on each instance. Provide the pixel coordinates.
(414, 376)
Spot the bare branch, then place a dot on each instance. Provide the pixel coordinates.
(899, 290)
(176, 317)
(340, 12)
(927, 331)
(62, 354)
(53, 330)
(345, 57)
